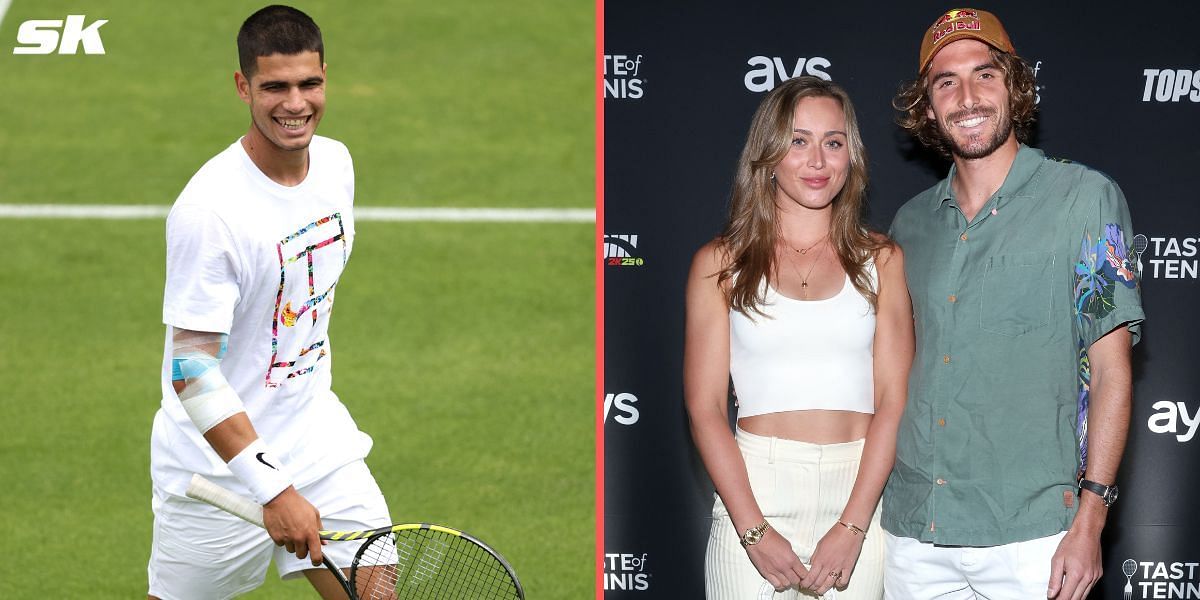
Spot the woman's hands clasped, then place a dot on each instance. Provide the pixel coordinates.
(834, 559)
(776, 562)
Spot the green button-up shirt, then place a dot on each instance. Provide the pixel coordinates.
(1006, 306)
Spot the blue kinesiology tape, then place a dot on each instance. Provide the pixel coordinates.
(190, 364)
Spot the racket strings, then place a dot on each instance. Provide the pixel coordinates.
(426, 564)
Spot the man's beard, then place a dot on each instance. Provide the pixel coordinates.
(980, 147)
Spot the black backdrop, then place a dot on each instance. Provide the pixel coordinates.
(1119, 90)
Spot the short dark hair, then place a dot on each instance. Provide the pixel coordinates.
(913, 100)
(277, 29)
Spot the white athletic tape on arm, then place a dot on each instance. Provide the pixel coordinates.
(206, 397)
(258, 468)
(207, 409)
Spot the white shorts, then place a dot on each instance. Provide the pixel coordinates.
(922, 570)
(203, 552)
(802, 490)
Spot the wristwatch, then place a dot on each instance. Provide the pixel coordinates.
(754, 534)
(1107, 493)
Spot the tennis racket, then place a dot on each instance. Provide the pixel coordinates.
(407, 561)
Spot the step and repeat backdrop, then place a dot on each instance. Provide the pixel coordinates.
(1118, 89)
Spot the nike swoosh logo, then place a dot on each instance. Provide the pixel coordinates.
(259, 456)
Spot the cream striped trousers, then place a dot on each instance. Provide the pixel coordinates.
(801, 489)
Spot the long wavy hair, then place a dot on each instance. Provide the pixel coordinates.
(912, 100)
(752, 230)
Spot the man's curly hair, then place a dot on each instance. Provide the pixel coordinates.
(912, 100)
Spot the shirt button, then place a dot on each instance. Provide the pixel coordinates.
(963, 237)
(941, 481)
(953, 298)
(942, 422)
(946, 359)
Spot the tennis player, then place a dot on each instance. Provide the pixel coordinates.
(256, 244)
(1027, 307)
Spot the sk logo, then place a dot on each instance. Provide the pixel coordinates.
(40, 36)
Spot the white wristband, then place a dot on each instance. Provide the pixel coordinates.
(258, 468)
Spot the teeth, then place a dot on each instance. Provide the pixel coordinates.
(971, 122)
(292, 123)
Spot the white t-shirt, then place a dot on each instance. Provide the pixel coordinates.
(260, 261)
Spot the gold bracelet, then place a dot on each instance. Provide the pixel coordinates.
(854, 529)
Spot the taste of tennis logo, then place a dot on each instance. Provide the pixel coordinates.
(626, 572)
(1038, 87)
(1147, 580)
(622, 76)
(1162, 257)
(620, 250)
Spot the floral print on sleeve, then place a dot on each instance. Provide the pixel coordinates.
(1101, 266)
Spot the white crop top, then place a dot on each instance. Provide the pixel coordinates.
(804, 355)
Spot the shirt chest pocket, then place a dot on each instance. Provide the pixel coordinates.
(1016, 297)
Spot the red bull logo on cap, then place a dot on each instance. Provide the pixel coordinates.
(967, 25)
(958, 13)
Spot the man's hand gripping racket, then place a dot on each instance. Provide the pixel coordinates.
(412, 560)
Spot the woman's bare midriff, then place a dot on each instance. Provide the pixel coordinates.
(812, 426)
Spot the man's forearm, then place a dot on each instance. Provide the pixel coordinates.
(1110, 400)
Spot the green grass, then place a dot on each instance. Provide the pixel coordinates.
(471, 372)
(443, 103)
(465, 350)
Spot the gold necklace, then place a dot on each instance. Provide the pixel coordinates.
(804, 278)
(805, 251)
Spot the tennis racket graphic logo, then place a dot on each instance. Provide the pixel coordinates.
(1140, 243)
(1129, 566)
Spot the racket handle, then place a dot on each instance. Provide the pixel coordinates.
(235, 504)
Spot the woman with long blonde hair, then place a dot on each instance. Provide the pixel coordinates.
(807, 311)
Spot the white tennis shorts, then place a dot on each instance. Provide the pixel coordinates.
(802, 489)
(200, 552)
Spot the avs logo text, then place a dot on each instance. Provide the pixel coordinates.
(626, 413)
(769, 71)
(1174, 418)
(42, 36)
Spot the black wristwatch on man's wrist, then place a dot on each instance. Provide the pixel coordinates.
(1107, 493)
